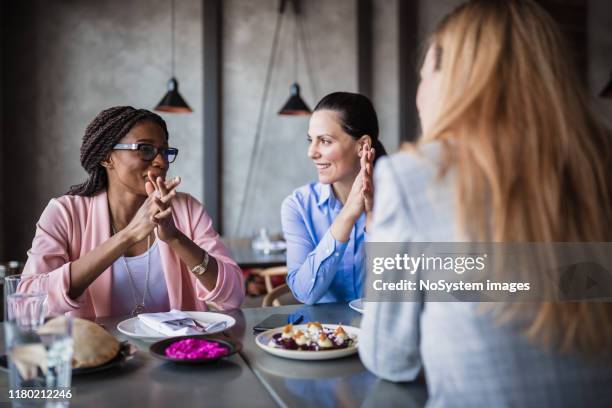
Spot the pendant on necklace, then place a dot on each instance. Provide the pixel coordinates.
(138, 310)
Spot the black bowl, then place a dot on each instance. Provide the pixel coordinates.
(159, 349)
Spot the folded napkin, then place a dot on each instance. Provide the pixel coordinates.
(156, 321)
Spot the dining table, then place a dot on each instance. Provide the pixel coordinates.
(252, 377)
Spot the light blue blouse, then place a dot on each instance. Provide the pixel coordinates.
(321, 269)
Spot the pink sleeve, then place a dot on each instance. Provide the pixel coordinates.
(50, 255)
(229, 290)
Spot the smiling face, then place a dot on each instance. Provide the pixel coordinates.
(429, 92)
(334, 152)
(126, 170)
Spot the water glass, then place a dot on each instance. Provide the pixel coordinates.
(31, 283)
(38, 357)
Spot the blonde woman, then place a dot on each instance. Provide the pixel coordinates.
(510, 152)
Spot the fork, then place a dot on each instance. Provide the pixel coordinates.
(194, 324)
(187, 322)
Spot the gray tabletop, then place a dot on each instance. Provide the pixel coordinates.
(146, 381)
(341, 382)
(252, 378)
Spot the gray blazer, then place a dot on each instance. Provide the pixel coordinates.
(468, 359)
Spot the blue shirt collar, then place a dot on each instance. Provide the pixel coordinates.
(325, 192)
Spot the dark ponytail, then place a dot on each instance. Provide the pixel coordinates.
(100, 136)
(357, 117)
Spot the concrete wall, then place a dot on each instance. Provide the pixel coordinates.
(70, 60)
(282, 164)
(385, 93)
(431, 12)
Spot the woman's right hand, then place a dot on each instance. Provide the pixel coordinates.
(359, 199)
(360, 196)
(355, 204)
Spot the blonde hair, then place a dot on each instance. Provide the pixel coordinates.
(531, 158)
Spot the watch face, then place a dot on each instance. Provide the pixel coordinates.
(201, 268)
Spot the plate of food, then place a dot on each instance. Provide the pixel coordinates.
(94, 349)
(196, 349)
(134, 327)
(310, 341)
(357, 305)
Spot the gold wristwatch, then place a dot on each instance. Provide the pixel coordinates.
(201, 269)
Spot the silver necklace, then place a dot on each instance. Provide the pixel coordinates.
(138, 307)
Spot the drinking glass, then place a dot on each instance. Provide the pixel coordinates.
(38, 357)
(31, 283)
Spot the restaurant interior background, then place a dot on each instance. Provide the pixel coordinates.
(63, 61)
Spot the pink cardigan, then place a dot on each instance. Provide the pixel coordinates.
(71, 226)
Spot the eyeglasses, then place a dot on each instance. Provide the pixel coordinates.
(148, 152)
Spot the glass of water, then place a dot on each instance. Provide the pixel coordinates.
(31, 283)
(39, 357)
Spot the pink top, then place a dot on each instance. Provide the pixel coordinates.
(71, 226)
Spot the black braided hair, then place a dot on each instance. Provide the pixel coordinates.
(357, 117)
(100, 136)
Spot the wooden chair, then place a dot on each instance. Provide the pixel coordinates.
(268, 273)
(279, 296)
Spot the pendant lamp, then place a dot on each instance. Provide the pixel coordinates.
(173, 102)
(295, 105)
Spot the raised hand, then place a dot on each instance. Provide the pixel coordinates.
(354, 204)
(359, 199)
(367, 168)
(161, 193)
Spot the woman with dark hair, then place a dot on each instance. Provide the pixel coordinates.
(324, 222)
(125, 241)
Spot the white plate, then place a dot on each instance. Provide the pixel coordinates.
(356, 305)
(264, 338)
(133, 327)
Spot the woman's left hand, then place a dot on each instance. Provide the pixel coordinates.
(162, 196)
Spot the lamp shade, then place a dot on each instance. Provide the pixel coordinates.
(607, 91)
(173, 101)
(295, 105)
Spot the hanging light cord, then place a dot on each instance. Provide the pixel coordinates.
(172, 30)
(307, 59)
(295, 45)
(264, 98)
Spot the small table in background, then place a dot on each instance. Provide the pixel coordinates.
(246, 257)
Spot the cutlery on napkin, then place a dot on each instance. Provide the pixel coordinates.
(176, 323)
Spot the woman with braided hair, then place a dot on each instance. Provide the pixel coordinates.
(125, 241)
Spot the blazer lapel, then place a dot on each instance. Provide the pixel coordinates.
(96, 232)
(172, 273)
